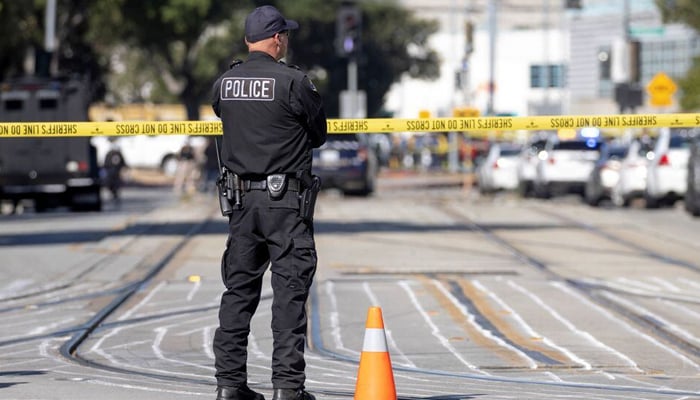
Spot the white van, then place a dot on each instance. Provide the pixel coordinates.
(149, 152)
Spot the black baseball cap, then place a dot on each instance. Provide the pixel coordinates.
(264, 22)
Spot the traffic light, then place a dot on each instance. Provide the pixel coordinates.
(348, 30)
(469, 37)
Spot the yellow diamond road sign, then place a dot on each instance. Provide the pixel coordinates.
(661, 89)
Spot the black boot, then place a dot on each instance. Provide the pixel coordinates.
(239, 393)
(292, 394)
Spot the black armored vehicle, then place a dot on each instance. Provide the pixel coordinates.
(51, 171)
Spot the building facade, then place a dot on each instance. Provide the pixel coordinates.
(538, 58)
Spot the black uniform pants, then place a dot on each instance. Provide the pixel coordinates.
(265, 232)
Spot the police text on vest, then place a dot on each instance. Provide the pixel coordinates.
(255, 89)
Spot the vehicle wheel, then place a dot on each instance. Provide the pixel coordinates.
(593, 201)
(524, 189)
(542, 192)
(651, 202)
(367, 190)
(40, 205)
(691, 203)
(94, 205)
(695, 210)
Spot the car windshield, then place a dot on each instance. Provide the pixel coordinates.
(510, 152)
(617, 152)
(679, 142)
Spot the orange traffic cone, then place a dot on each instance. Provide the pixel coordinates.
(375, 378)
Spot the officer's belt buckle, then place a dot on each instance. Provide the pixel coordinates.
(276, 183)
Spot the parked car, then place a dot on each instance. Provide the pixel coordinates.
(565, 165)
(347, 162)
(667, 171)
(633, 172)
(527, 165)
(692, 195)
(499, 170)
(605, 174)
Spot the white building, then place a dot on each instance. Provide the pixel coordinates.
(578, 48)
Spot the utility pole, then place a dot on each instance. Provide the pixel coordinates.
(628, 94)
(492, 54)
(43, 63)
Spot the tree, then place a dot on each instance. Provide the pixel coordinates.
(18, 28)
(394, 42)
(173, 50)
(687, 12)
(21, 38)
(179, 46)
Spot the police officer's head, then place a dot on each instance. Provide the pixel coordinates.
(267, 30)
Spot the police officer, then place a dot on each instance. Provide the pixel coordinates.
(113, 164)
(272, 118)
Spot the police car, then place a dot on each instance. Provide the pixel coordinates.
(566, 162)
(347, 162)
(667, 171)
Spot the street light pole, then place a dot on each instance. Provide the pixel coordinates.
(492, 54)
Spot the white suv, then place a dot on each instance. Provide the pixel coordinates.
(633, 173)
(667, 171)
(565, 165)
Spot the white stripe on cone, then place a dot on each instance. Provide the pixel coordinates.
(375, 340)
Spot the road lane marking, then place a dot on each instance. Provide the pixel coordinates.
(435, 330)
(479, 333)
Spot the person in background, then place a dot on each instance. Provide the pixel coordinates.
(210, 167)
(114, 164)
(185, 174)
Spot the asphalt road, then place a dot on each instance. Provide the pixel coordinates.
(483, 298)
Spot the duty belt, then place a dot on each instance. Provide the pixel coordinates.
(293, 184)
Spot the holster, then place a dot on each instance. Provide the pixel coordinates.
(307, 197)
(229, 187)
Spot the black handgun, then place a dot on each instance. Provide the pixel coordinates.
(229, 185)
(307, 198)
(225, 195)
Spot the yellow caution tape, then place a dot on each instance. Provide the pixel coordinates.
(368, 125)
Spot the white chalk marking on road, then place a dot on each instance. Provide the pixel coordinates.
(143, 301)
(435, 330)
(485, 332)
(529, 330)
(690, 282)
(195, 288)
(156, 347)
(334, 316)
(639, 285)
(570, 326)
(589, 336)
(13, 287)
(208, 341)
(666, 284)
(620, 321)
(554, 377)
(683, 309)
(41, 329)
(671, 326)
